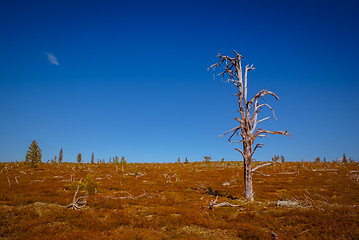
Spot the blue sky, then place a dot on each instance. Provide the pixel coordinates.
(130, 78)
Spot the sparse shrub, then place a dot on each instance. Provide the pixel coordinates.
(88, 185)
(344, 159)
(282, 159)
(178, 160)
(207, 159)
(33, 155)
(248, 231)
(53, 161)
(275, 159)
(186, 161)
(317, 160)
(123, 160)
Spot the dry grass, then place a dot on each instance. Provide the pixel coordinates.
(142, 203)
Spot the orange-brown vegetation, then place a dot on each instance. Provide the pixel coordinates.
(170, 201)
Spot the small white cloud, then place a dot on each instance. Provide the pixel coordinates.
(52, 59)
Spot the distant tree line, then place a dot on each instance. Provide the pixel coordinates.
(33, 158)
(343, 159)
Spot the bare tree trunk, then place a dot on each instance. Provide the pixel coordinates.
(248, 184)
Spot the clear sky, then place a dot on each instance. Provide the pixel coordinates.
(130, 78)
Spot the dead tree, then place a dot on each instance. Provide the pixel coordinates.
(248, 114)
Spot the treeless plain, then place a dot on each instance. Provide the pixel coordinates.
(292, 200)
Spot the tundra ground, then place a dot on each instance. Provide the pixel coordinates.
(171, 201)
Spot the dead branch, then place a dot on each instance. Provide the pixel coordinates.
(129, 196)
(263, 165)
(265, 132)
(78, 203)
(169, 177)
(16, 179)
(288, 203)
(324, 170)
(235, 129)
(37, 181)
(302, 232)
(259, 145)
(267, 175)
(261, 94)
(72, 177)
(212, 204)
(8, 180)
(139, 174)
(308, 198)
(321, 197)
(354, 177)
(285, 173)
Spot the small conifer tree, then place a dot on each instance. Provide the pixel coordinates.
(282, 159)
(79, 158)
(123, 160)
(186, 161)
(61, 156)
(317, 160)
(33, 155)
(345, 159)
(178, 160)
(92, 158)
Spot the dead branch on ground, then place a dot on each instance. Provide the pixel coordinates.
(8, 180)
(16, 179)
(169, 177)
(78, 203)
(129, 196)
(287, 203)
(212, 204)
(285, 173)
(37, 181)
(324, 170)
(354, 177)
